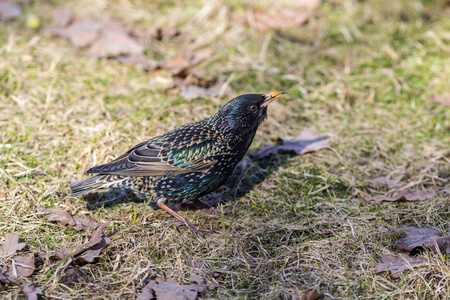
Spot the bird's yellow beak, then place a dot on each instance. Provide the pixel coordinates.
(271, 96)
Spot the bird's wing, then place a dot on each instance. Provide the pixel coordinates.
(183, 150)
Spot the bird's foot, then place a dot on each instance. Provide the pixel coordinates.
(193, 227)
(184, 221)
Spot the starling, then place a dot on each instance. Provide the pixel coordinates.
(187, 162)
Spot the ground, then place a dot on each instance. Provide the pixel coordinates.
(362, 73)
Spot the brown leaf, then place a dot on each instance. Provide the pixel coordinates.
(310, 295)
(10, 245)
(93, 252)
(396, 264)
(306, 142)
(61, 216)
(85, 224)
(22, 266)
(31, 292)
(61, 254)
(415, 239)
(97, 235)
(113, 41)
(283, 18)
(64, 218)
(402, 195)
(88, 252)
(185, 59)
(161, 289)
(9, 10)
(441, 99)
(63, 16)
(81, 33)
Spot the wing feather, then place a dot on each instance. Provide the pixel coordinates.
(183, 150)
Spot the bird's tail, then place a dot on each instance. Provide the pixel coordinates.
(96, 182)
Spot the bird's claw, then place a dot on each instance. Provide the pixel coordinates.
(193, 227)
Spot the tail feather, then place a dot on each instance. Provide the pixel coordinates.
(96, 182)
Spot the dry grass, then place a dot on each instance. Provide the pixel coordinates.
(360, 72)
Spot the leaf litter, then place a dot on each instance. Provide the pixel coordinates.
(21, 267)
(111, 39)
(414, 241)
(305, 142)
(64, 218)
(86, 253)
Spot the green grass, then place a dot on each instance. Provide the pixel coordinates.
(360, 72)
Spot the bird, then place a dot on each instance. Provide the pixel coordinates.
(188, 162)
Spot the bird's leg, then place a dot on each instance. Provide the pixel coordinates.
(189, 225)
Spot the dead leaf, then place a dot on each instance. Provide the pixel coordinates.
(310, 295)
(397, 264)
(81, 33)
(22, 266)
(93, 252)
(10, 245)
(61, 254)
(9, 10)
(63, 16)
(306, 142)
(441, 99)
(113, 41)
(402, 195)
(282, 17)
(162, 289)
(85, 224)
(64, 218)
(97, 235)
(415, 239)
(88, 252)
(185, 59)
(30, 291)
(61, 216)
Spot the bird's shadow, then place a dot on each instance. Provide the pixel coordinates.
(249, 173)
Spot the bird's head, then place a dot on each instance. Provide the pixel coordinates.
(245, 113)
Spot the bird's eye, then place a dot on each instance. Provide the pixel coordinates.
(253, 108)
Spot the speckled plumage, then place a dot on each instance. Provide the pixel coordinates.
(188, 162)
